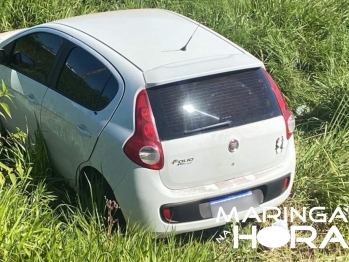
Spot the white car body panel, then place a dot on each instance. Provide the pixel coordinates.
(210, 159)
(118, 130)
(28, 95)
(6, 35)
(150, 38)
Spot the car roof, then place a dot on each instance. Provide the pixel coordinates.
(151, 38)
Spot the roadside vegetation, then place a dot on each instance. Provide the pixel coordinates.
(305, 46)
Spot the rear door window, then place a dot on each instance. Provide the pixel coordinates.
(86, 80)
(205, 104)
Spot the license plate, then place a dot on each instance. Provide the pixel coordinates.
(230, 197)
(242, 201)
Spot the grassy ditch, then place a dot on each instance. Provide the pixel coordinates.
(304, 45)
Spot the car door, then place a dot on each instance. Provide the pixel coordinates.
(28, 67)
(75, 110)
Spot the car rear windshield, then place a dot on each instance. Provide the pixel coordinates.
(209, 103)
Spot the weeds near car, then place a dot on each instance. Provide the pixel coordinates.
(305, 46)
(111, 207)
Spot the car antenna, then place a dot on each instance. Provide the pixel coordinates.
(184, 48)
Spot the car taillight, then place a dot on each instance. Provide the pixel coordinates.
(144, 146)
(287, 114)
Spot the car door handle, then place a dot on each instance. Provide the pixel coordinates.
(32, 99)
(83, 131)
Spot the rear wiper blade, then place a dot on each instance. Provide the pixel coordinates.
(226, 123)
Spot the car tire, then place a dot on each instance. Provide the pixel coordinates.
(96, 194)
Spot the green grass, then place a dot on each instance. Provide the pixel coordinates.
(305, 46)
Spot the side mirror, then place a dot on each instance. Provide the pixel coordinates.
(23, 60)
(2, 56)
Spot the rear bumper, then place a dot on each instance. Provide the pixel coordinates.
(142, 194)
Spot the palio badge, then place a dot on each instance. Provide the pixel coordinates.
(181, 162)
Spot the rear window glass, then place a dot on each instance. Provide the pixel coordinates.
(207, 104)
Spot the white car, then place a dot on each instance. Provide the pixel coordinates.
(176, 119)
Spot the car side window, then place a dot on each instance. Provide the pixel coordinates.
(34, 54)
(108, 94)
(86, 80)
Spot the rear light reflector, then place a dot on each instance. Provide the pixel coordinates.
(286, 183)
(167, 214)
(287, 114)
(144, 146)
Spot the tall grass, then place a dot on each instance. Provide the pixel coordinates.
(36, 226)
(304, 44)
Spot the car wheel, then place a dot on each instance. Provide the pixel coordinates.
(97, 195)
